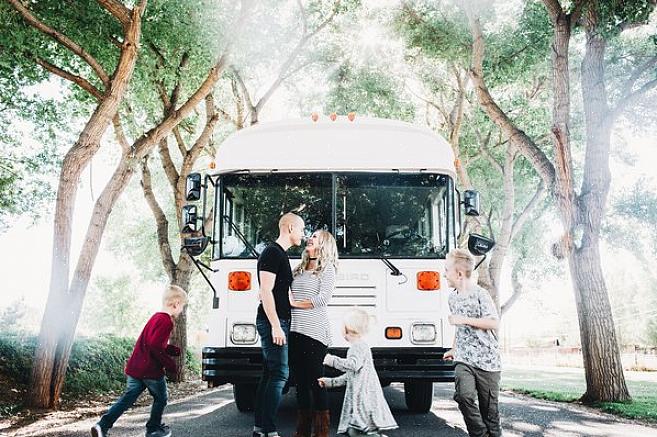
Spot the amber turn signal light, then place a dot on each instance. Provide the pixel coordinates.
(393, 333)
(428, 281)
(239, 281)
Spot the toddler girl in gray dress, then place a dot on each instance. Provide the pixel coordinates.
(365, 411)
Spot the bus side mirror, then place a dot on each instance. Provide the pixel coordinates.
(193, 187)
(189, 218)
(195, 246)
(471, 202)
(479, 245)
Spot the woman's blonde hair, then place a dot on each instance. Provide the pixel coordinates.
(327, 256)
(174, 293)
(358, 321)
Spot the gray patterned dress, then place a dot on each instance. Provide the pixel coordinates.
(364, 409)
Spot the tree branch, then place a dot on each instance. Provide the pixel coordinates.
(119, 133)
(517, 289)
(167, 163)
(515, 135)
(118, 10)
(175, 94)
(305, 37)
(78, 80)
(554, 8)
(61, 39)
(162, 224)
(520, 221)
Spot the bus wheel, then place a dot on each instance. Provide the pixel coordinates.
(244, 396)
(419, 396)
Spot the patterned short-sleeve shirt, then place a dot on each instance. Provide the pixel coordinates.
(476, 347)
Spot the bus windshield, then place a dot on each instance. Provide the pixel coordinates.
(370, 214)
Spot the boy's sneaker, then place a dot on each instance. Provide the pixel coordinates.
(97, 431)
(161, 431)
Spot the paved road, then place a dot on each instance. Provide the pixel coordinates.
(213, 414)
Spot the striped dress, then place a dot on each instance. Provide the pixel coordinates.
(317, 288)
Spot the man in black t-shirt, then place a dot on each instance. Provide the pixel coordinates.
(273, 322)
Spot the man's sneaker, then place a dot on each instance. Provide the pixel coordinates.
(161, 431)
(97, 431)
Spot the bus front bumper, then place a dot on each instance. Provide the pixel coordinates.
(244, 365)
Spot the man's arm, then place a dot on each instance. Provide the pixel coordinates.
(267, 280)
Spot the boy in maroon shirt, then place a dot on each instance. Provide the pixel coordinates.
(146, 367)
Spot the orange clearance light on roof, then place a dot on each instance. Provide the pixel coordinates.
(393, 333)
(457, 163)
(333, 116)
(212, 165)
(428, 281)
(314, 116)
(351, 116)
(239, 281)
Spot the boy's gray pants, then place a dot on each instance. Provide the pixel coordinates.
(477, 393)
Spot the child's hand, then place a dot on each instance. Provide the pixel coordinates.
(323, 382)
(456, 320)
(172, 350)
(328, 360)
(449, 355)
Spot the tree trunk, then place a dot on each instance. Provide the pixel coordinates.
(46, 377)
(184, 271)
(605, 380)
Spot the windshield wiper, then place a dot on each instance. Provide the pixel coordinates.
(394, 270)
(242, 237)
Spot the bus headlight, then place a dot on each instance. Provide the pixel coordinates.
(423, 333)
(243, 333)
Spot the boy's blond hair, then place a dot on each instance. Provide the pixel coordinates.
(463, 261)
(174, 293)
(357, 321)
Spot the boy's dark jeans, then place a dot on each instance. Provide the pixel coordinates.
(275, 372)
(156, 387)
(477, 393)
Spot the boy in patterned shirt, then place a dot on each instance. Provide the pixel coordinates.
(475, 349)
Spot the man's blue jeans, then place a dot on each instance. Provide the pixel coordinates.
(275, 372)
(156, 387)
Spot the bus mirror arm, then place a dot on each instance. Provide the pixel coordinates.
(205, 201)
(199, 264)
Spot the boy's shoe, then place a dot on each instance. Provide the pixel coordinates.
(97, 431)
(161, 431)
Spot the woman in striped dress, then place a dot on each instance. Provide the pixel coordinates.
(310, 333)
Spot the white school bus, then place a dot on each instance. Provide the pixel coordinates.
(385, 189)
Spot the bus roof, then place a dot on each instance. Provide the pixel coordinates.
(365, 144)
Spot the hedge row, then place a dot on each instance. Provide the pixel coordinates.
(96, 364)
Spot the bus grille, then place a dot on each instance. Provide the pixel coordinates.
(354, 296)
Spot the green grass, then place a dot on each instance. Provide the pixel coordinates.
(568, 385)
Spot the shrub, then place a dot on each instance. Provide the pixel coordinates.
(96, 364)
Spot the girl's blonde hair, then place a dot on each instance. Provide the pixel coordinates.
(174, 293)
(327, 256)
(358, 321)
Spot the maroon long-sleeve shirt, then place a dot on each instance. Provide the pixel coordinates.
(152, 353)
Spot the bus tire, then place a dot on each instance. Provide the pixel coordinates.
(419, 396)
(245, 395)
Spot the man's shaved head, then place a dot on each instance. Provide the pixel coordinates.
(291, 227)
(289, 219)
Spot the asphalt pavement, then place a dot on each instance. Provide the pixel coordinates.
(214, 414)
